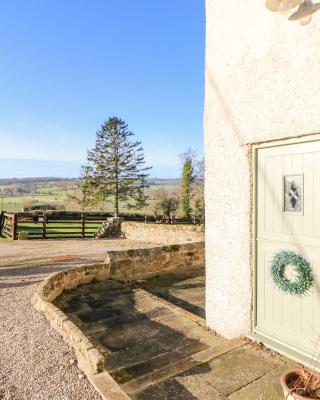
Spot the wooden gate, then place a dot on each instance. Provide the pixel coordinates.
(8, 225)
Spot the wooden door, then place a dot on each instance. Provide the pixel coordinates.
(288, 218)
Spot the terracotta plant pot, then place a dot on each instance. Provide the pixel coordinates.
(286, 390)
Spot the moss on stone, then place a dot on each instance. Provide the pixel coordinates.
(122, 376)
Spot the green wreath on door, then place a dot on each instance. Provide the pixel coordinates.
(278, 267)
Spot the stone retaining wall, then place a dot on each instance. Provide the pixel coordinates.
(138, 263)
(129, 264)
(89, 358)
(163, 233)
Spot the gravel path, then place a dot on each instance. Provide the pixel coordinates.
(33, 252)
(35, 363)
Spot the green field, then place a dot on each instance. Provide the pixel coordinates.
(41, 195)
(52, 192)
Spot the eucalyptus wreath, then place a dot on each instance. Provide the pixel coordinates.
(304, 273)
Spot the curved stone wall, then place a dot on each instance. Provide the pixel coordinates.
(89, 358)
(128, 264)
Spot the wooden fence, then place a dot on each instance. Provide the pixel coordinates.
(65, 224)
(50, 225)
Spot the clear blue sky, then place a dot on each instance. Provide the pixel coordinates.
(67, 65)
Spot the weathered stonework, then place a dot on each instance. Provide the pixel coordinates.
(50, 289)
(110, 228)
(129, 264)
(163, 233)
(138, 263)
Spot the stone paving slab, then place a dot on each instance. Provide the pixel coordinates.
(134, 355)
(238, 368)
(156, 350)
(180, 388)
(174, 368)
(126, 374)
(158, 375)
(177, 322)
(184, 289)
(199, 388)
(266, 388)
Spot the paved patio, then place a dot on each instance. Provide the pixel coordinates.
(184, 289)
(159, 348)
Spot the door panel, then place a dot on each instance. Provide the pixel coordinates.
(291, 320)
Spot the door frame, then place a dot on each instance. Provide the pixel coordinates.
(269, 342)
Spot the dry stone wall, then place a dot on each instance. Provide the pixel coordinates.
(90, 360)
(137, 263)
(128, 264)
(163, 233)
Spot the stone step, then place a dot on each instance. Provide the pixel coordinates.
(182, 387)
(127, 374)
(173, 369)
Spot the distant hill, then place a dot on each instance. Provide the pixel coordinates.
(10, 181)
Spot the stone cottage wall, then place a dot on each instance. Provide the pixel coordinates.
(262, 83)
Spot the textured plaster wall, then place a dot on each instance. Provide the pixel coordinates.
(262, 83)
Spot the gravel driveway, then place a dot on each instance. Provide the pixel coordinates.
(35, 363)
(42, 252)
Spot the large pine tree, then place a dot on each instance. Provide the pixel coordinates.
(117, 166)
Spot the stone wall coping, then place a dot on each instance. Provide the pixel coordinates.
(167, 248)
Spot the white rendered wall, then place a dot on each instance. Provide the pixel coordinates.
(262, 83)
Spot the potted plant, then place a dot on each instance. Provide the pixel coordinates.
(301, 384)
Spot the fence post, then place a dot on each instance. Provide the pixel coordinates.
(1, 220)
(44, 226)
(83, 225)
(14, 226)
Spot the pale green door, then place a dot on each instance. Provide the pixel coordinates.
(288, 217)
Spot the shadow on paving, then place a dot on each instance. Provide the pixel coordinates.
(143, 341)
(155, 353)
(168, 391)
(185, 289)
